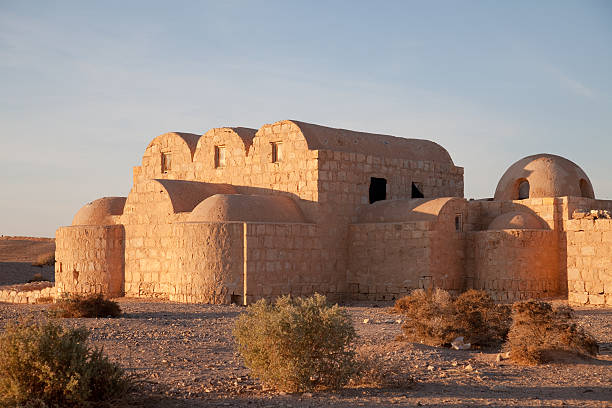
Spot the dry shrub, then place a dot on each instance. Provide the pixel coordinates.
(374, 369)
(46, 365)
(90, 306)
(47, 258)
(297, 344)
(539, 332)
(435, 318)
(37, 277)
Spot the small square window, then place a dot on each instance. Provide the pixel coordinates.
(166, 162)
(277, 152)
(219, 156)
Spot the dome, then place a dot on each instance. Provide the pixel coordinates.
(517, 220)
(416, 209)
(98, 212)
(543, 175)
(247, 208)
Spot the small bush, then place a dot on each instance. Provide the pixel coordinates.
(539, 332)
(37, 277)
(45, 259)
(90, 306)
(297, 344)
(46, 365)
(436, 318)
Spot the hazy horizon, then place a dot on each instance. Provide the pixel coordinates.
(86, 86)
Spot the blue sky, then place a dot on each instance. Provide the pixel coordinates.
(84, 85)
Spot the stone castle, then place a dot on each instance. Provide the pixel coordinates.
(239, 214)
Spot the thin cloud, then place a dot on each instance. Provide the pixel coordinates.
(575, 86)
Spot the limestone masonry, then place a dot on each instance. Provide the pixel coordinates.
(239, 214)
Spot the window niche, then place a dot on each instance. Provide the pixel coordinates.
(523, 189)
(277, 152)
(220, 155)
(459, 222)
(166, 162)
(378, 189)
(417, 191)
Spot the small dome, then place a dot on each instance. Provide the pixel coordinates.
(98, 212)
(401, 210)
(247, 208)
(543, 175)
(517, 220)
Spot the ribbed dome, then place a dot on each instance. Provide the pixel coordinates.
(543, 175)
(517, 220)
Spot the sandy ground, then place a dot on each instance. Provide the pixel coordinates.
(184, 356)
(17, 255)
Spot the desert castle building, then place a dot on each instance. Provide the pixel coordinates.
(239, 214)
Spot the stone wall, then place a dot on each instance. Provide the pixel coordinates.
(34, 292)
(513, 264)
(90, 259)
(589, 262)
(287, 259)
(206, 263)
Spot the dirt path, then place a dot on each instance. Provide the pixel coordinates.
(184, 356)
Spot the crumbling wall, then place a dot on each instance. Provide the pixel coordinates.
(589, 262)
(90, 259)
(513, 264)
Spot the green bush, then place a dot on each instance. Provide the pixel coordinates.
(297, 344)
(90, 306)
(435, 318)
(539, 332)
(44, 364)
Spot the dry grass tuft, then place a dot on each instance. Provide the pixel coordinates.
(540, 332)
(436, 318)
(45, 259)
(46, 365)
(90, 306)
(297, 344)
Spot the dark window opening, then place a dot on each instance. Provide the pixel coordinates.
(523, 190)
(219, 156)
(416, 191)
(378, 189)
(458, 223)
(166, 162)
(277, 152)
(235, 299)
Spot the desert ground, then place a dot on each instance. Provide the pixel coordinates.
(182, 355)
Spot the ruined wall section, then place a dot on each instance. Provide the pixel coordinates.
(589, 262)
(90, 259)
(513, 264)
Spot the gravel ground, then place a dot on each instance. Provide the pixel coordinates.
(184, 356)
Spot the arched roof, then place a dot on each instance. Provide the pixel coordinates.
(517, 220)
(189, 139)
(548, 175)
(416, 209)
(247, 208)
(98, 212)
(325, 138)
(185, 195)
(242, 135)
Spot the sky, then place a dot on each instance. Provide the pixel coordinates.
(85, 86)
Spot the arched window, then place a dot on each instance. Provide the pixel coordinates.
(523, 190)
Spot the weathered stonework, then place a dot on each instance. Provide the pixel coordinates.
(239, 214)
